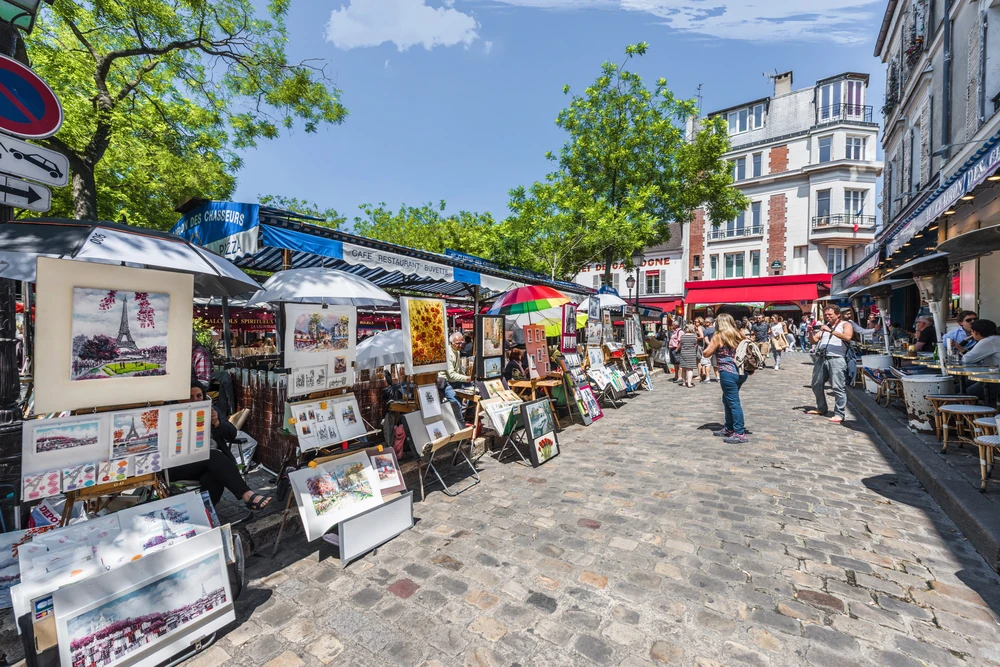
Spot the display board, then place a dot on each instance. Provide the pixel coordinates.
(327, 422)
(490, 345)
(537, 349)
(320, 347)
(567, 338)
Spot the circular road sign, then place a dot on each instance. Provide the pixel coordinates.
(28, 107)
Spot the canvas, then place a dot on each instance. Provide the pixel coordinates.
(567, 339)
(390, 477)
(110, 335)
(320, 346)
(425, 334)
(148, 610)
(492, 367)
(490, 345)
(135, 432)
(430, 401)
(539, 431)
(334, 491)
(63, 442)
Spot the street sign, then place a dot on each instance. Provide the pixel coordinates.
(19, 158)
(21, 194)
(28, 107)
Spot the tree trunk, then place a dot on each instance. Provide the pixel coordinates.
(84, 189)
(609, 258)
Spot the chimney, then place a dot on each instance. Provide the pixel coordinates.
(782, 83)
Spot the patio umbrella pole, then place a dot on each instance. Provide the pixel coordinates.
(10, 387)
(226, 337)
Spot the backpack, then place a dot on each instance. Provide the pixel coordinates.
(748, 358)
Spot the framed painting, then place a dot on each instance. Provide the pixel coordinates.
(148, 610)
(334, 491)
(567, 338)
(390, 476)
(492, 368)
(430, 401)
(51, 444)
(537, 349)
(591, 403)
(490, 345)
(491, 388)
(110, 335)
(596, 357)
(425, 334)
(539, 429)
(320, 344)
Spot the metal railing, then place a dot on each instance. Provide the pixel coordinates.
(823, 222)
(850, 112)
(736, 233)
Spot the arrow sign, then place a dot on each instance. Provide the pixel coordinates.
(21, 194)
(19, 158)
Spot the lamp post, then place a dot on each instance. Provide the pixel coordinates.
(630, 283)
(637, 258)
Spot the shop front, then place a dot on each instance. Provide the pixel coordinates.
(787, 296)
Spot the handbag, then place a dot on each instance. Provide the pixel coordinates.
(780, 343)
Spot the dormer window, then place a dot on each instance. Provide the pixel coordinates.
(744, 120)
(841, 99)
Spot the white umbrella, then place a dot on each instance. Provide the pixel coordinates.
(318, 285)
(382, 349)
(606, 301)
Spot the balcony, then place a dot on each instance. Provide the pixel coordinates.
(847, 113)
(848, 220)
(724, 233)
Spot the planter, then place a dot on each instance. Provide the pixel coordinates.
(920, 411)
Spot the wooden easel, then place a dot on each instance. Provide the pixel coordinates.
(153, 481)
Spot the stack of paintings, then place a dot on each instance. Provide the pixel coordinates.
(334, 491)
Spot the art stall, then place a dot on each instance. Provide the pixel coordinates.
(107, 575)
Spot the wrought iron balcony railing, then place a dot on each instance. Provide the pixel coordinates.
(858, 113)
(831, 222)
(735, 233)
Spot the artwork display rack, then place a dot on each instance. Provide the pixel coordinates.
(423, 467)
(606, 395)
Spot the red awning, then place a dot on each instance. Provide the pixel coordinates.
(758, 290)
(668, 306)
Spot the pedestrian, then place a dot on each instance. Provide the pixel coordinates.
(790, 337)
(986, 352)
(675, 348)
(689, 353)
(723, 347)
(201, 361)
(803, 341)
(831, 340)
(453, 377)
(761, 330)
(707, 365)
(778, 341)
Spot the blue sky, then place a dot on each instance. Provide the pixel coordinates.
(456, 100)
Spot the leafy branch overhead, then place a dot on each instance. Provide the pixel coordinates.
(158, 96)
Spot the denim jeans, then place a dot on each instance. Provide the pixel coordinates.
(834, 369)
(449, 395)
(803, 342)
(776, 353)
(731, 383)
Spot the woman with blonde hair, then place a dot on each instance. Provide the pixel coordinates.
(724, 343)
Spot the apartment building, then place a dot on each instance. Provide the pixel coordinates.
(807, 161)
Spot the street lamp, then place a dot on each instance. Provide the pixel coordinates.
(637, 258)
(630, 283)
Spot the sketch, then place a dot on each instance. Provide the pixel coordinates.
(425, 334)
(135, 432)
(146, 464)
(492, 367)
(115, 470)
(322, 331)
(79, 477)
(60, 437)
(118, 334)
(596, 357)
(430, 402)
(114, 631)
(390, 477)
(347, 414)
(43, 485)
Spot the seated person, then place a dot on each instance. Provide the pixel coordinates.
(219, 472)
(453, 376)
(514, 370)
(926, 334)
(962, 336)
(985, 353)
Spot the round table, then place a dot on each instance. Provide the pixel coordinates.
(938, 400)
(985, 426)
(970, 370)
(986, 444)
(988, 378)
(965, 416)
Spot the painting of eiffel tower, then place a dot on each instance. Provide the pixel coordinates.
(118, 334)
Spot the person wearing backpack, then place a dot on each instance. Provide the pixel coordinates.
(832, 342)
(727, 343)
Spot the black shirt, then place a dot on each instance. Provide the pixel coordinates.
(928, 337)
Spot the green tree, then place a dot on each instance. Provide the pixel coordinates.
(329, 217)
(625, 173)
(429, 227)
(157, 96)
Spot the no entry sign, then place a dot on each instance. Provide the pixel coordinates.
(28, 107)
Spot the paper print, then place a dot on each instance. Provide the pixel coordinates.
(135, 432)
(430, 401)
(199, 437)
(425, 334)
(348, 417)
(79, 477)
(596, 357)
(321, 331)
(334, 491)
(390, 477)
(61, 437)
(115, 470)
(179, 431)
(308, 380)
(492, 368)
(436, 430)
(42, 485)
(567, 340)
(146, 464)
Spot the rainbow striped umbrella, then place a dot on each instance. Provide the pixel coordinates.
(529, 299)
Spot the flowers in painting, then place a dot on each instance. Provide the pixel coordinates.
(544, 446)
(427, 330)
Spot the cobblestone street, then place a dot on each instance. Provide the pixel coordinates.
(648, 541)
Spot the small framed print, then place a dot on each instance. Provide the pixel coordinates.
(539, 428)
(387, 470)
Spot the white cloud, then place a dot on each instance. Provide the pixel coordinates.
(386, 64)
(841, 21)
(487, 46)
(404, 23)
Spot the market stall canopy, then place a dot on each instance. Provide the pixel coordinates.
(383, 349)
(938, 262)
(329, 286)
(606, 301)
(883, 288)
(804, 288)
(529, 299)
(550, 318)
(112, 243)
(971, 245)
(269, 239)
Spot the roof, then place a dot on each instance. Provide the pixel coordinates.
(674, 244)
(883, 31)
(843, 75)
(762, 100)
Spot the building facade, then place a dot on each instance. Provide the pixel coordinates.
(807, 161)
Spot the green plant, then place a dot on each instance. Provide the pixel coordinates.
(204, 334)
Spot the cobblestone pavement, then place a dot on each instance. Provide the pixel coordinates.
(648, 541)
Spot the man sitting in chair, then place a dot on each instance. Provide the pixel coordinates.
(219, 472)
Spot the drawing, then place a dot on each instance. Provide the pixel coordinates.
(118, 334)
(430, 401)
(61, 437)
(334, 491)
(347, 414)
(162, 527)
(136, 432)
(436, 430)
(492, 367)
(42, 485)
(390, 477)
(79, 477)
(146, 464)
(322, 331)
(115, 470)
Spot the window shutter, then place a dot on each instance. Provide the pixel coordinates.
(616, 282)
(972, 91)
(907, 172)
(925, 141)
(640, 284)
(663, 281)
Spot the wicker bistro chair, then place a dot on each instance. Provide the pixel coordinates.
(964, 417)
(890, 389)
(938, 400)
(987, 446)
(985, 426)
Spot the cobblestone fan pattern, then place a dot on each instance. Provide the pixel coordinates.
(647, 542)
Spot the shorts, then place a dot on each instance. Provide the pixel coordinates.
(705, 361)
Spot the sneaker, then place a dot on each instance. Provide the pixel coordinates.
(737, 439)
(724, 433)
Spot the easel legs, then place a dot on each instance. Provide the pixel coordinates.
(430, 467)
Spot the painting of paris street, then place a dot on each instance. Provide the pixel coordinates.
(118, 334)
(321, 331)
(108, 634)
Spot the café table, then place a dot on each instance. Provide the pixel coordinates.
(989, 381)
(962, 372)
(965, 417)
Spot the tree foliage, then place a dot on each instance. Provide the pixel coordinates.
(329, 216)
(429, 227)
(624, 174)
(157, 96)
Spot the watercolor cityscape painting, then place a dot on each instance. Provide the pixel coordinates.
(66, 436)
(135, 433)
(319, 331)
(114, 631)
(338, 486)
(118, 334)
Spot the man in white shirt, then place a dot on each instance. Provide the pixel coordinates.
(985, 353)
(962, 336)
(453, 376)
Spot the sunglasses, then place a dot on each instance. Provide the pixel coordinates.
(969, 319)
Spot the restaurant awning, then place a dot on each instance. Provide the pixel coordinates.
(666, 305)
(807, 288)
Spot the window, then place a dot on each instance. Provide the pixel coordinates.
(715, 266)
(854, 202)
(616, 281)
(652, 282)
(755, 217)
(829, 101)
(800, 259)
(697, 261)
(825, 149)
(739, 169)
(597, 281)
(734, 264)
(757, 163)
(735, 227)
(755, 263)
(757, 116)
(855, 148)
(742, 120)
(836, 259)
(823, 204)
(855, 98)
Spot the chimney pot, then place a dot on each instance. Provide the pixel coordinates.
(783, 83)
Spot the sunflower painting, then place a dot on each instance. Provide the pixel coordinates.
(425, 333)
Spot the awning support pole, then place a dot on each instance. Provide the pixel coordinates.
(226, 337)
